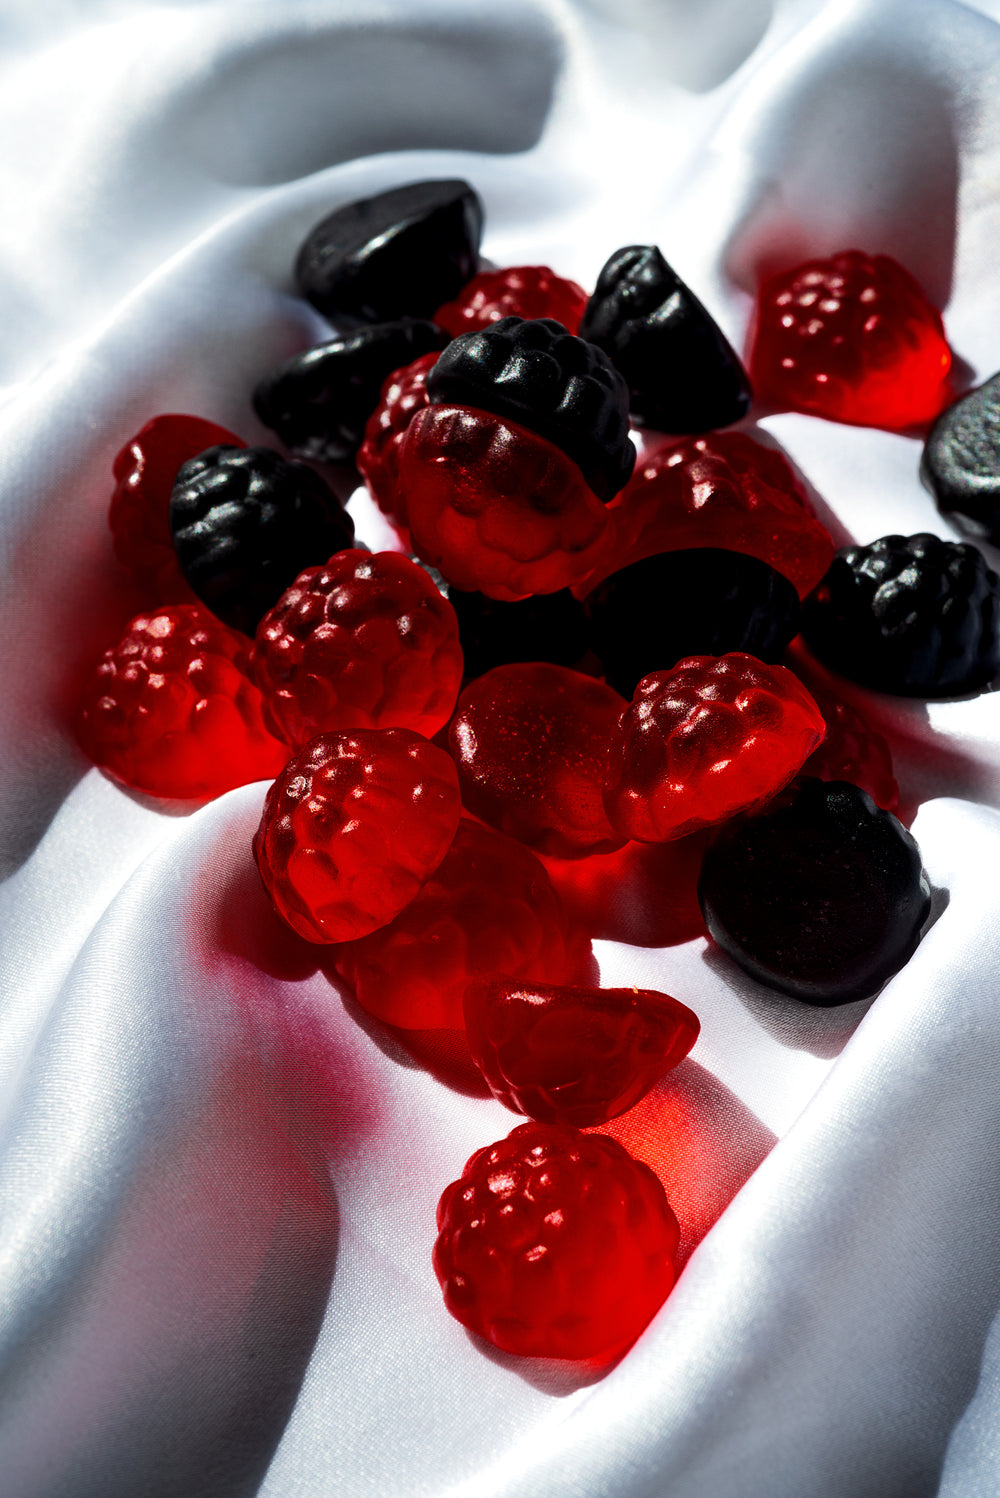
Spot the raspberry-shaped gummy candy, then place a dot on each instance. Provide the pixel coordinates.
(245, 522)
(708, 739)
(961, 461)
(353, 827)
(682, 374)
(556, 1244)
(145, 470)
(399, 253)
(545, 627)
(852, 750)
(820, 895)
(574, 1055)
(488, 908)
(853, 339)
(911, 615)
(403, 394)
(531, 742)
(528, 291)
(171, 709)
(531, 371)
(366, 641)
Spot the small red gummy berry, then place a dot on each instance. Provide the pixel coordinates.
(518, 291)
(403, 395)
(556, 1244)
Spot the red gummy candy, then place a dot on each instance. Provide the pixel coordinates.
(519, 291)
(531, 742)
(498, 509)
(353, 827)
(574, 1055)
(853, 339)
(171, 709)
(139, 517)
(490, 907)
(556, 1244)
(713, 736)
(854, 751)
(723, 490)
(403, 394)
(366, 641)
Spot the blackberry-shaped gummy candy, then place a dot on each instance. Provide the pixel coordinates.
(914, 616)
(403, 395)
(821, 895)
(556, 1244)
(702, 601)
(531, 371)
(961, 461)
(574, 1055)
(399, 253)
(353, 827)
(517, 291)
(319, 401)
(245, 522)
(683, 375)
(548, 627)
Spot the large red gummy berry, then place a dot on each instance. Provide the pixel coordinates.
(353, 827)
(171, 709)
(574, 1055)
(403, 394)
(556, 1244)
(853, 339)
(713, 736)
(498, 509)
(518, 291)
(489, 908)
(854, 751)
(367, 641)
(531, 742)
(139, 516)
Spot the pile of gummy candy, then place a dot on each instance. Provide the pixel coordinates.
(564, 657)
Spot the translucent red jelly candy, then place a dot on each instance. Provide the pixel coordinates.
(403, 394)
(714, 736)
(353, 827)
(531, 742)
(556, 1244)
(853, 339)
(171, 710)
(367, 641)
(854, 751)
(518, 291)
(496, 508)
(139, 517)
(490, 907)
(574, 1055)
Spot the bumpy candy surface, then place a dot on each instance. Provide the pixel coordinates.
(683, 375)
(852, 338)
(531, 371)
(490, 907)
(366, 641)
(821, 895)
(546, 627)
(574, 1055)
(245, 522)
(399, 253)
(852, 750)
(710, 738)
(911, 615)
(171, 709)
(496, 508)
(353, 827)
(403, 394)
(531, 743)
(517, 291)
(556, 1244)
(961, 461)
(319, 401)
(144, 471)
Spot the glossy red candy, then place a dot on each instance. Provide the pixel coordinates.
(171, 709)
(713, 736)
(531, 742)
(353, 827)
(556, 1244)
(366, 641)
(852, 750)
(517, 291)
(489, 907)
(403, 394)
(498, 509)
(574, 1055)
(139, 517)
(852, 338)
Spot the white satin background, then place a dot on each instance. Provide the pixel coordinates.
(217, 1186)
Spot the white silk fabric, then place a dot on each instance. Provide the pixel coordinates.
(217, 1177)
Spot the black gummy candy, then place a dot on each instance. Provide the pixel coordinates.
(961, 461)
(549, 627)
